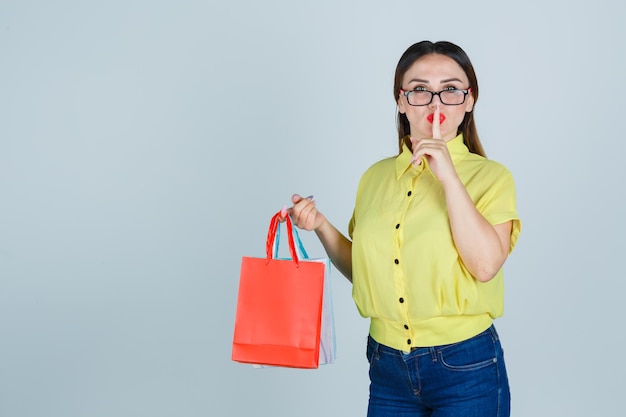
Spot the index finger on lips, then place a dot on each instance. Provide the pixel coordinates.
(436, 123)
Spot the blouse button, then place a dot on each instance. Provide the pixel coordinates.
(395, 261)
(409, 194)
(408, 342)
(401, 300)
(406, 326)
(398, 226)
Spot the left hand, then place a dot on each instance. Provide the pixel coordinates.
(435, 151)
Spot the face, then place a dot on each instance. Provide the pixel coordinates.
(435, 73)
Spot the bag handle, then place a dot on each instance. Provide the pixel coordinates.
(271, 235)
(296, 238)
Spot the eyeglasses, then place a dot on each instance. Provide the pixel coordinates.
(449, 96)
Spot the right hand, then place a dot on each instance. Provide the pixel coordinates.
(304, 213)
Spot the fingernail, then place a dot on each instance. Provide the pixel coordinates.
(311, 198)
(283, 211)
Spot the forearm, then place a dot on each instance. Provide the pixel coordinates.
(337, 246)
(480, 246)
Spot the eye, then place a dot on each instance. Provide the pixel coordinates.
(419, 89)
(450, 89)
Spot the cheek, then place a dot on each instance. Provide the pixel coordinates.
(416, 115)
(418, 120)
(456, 118)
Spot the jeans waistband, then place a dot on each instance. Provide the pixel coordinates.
(418, 351)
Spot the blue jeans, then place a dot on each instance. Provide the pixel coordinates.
(465, 379)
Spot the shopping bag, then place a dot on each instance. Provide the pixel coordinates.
(280, 306)
(328, 346)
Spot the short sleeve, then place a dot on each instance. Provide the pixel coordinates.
(498, 203)
(351, 226)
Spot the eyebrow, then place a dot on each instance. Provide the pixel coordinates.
(447, 80)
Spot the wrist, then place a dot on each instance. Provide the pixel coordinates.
(322, 227)
(451, 182)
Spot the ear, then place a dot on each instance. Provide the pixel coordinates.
(401, 104)
(469, 103)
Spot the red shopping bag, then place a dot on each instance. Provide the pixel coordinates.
(279, 308)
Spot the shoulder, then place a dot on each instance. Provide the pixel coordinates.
(482, 176)
(383, 165)
(476, 164)
(379, 174)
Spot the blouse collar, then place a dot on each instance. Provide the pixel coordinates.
(456, 148)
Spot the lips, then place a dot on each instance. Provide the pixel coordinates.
(430, 118)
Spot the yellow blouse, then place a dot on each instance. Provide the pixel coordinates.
(406, 272)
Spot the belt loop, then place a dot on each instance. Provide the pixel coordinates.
(375, 345)
(433, 354)
(494, 333)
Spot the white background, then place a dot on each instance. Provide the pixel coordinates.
(144, 146)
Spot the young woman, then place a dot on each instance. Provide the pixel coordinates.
(430, 232)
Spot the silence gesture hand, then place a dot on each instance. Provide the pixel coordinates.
(434, 150)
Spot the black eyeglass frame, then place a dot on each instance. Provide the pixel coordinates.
(436, 93)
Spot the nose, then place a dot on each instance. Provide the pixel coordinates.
(433, 104)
